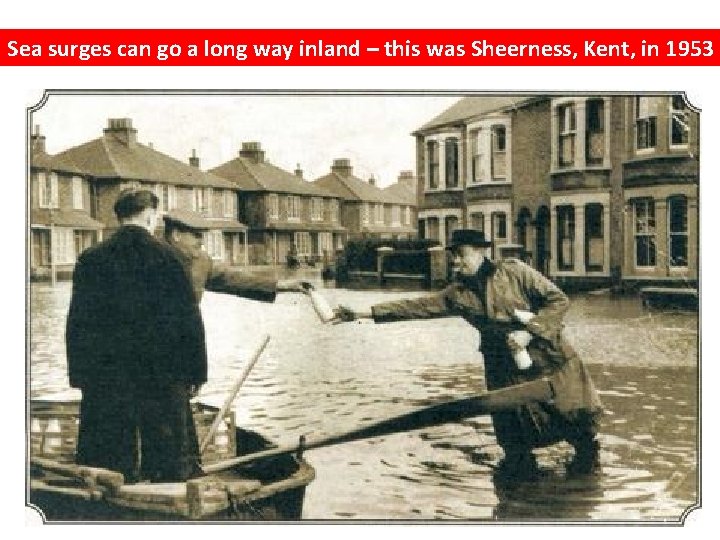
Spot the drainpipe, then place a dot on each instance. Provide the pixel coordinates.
(53, 269)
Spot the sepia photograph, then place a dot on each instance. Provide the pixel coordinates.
(363, 307)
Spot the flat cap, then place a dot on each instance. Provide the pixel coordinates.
(186, 219)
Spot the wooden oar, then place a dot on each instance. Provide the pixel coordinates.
(489, 402)
(233, 392)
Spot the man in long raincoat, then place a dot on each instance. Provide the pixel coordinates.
(513, 307)
(136, 348)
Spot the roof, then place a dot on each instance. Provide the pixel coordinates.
(402, 192)
(388, 229)
(303, 226)
(353, 189)
(78, 219)
(42, 160)
(108, 157)
(249, 175)
(472, 106)
(226, 224)
(194, 220)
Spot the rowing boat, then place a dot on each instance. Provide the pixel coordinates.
(271, 490)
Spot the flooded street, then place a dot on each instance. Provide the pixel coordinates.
(319, 380)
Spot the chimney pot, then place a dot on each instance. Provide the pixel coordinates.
(298, 171)
(121, 129)
(342, 167)
(194, 160)
(253, 150)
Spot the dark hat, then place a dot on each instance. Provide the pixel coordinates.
(186, 220)
(132, 201)
(468, 237)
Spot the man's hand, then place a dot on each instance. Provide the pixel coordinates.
(345, 314)
(519, 339)
(294, 285)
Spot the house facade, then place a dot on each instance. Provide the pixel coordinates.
(117, 161)
(61, 218)
(285, 213)
(594, 189)
(367, 210)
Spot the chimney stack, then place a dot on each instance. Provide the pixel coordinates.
(194, 160)
(121, 129)
(371, 180)
(298, 171)
(407, 178)
(342, 167)
(37, 141)
(253, 150)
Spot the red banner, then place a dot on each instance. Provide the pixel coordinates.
(369, 47)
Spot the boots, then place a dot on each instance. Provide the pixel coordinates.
(518, 465)
(587, 458)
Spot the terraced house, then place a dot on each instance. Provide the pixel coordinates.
(596, 189)
(117, 160)
(61, 217)
(367, 210)
(284, 212)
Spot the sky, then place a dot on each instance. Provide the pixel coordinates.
(373, 131)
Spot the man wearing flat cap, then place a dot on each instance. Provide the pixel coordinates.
(135, 347)
(514, 307)
(184, 231)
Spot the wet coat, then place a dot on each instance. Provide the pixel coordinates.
(487, 301)
(210, 275)
(135, 343)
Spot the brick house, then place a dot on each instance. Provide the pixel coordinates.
(367, 210)
(467, 168)
(595, 188)
(660, 177)
(61, 221)
(117, 160)
(283, 211)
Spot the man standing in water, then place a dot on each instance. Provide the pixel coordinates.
(136, 348)
(514, 307)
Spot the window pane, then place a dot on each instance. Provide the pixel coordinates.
(678, 250)
(451, 162)
(645, 251)
(678, 214)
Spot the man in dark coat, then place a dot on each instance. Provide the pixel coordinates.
(514, 307)
(135, 347)
(184, 231)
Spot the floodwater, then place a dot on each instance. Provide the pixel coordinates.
(317, 380)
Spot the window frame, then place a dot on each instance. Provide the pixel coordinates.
(671, 235)
(78, 201)
(432, 152)
(650, 233)
(293, 207)
(273, 208)
(567, 130)
(452, 162)
(684, 112)
(303, 247)
(214, 244)
(47, 189)
(566, 230)
(645, 125)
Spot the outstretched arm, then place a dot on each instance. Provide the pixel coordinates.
(426, 307)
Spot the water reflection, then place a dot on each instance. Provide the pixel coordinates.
(319, 380)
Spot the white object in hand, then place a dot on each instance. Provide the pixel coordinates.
(524, 316)
(522, 358)
(322, 308)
